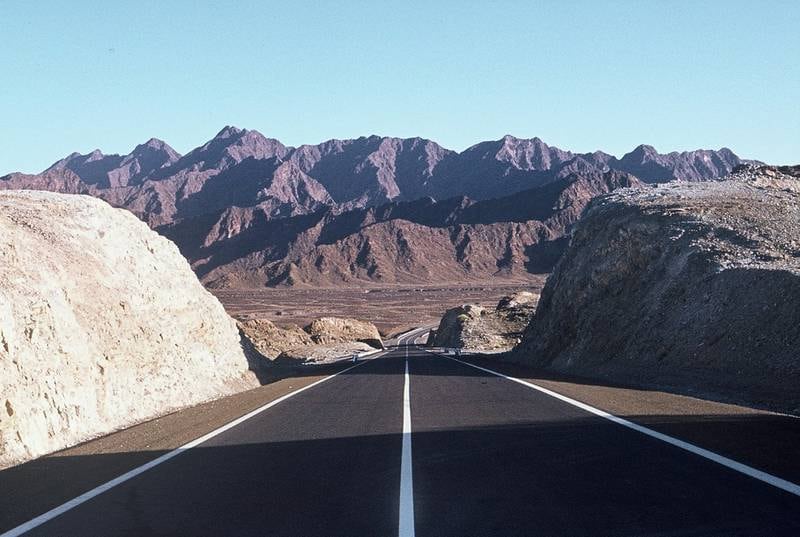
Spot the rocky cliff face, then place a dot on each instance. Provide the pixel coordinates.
(688, 285)
(102, 324)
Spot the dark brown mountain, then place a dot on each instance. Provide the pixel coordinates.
(650, 166)
(245, 208)
(399, 242)
(110, 171)
(372, 169)
(237, 168)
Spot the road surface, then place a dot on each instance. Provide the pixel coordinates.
(415, 443)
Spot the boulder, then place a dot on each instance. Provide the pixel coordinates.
(328, 330)
(271, 340)
(474, 327)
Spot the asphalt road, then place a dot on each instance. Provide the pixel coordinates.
(488, 456)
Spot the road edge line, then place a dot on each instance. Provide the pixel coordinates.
(130, 474)
(742, 468)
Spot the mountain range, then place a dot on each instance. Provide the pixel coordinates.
(248, 210)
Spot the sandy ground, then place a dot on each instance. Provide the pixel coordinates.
(391, 308)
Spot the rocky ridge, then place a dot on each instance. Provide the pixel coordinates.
(161, 186)
(249, 211)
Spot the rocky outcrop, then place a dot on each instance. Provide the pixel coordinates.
(483, 329)
(693, 286)
(102, 324)
(270, 339)
(322, 340)
(329, 330)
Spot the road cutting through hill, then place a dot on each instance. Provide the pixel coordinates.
(488, 456)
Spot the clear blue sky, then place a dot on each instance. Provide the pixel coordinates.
(580, 75)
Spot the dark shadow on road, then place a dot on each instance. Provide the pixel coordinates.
(582, 476)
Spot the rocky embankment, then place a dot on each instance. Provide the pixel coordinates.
(474, 327)
(102, 324)
(693, 286)
(322, 340)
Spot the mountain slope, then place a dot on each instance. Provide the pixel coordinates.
(650, 166)
(110, 171)
(248, 210)
(241, 168)
(398, 242)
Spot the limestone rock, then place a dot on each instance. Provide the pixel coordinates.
(270, 339)
(102, 324)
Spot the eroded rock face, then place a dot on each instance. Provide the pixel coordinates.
(270, 339)
(102, 324)
(327, 330)
(325, 339)
(695, 286)
(477, 328)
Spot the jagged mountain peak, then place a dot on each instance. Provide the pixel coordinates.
(155, 148)
(698, 165)
(155, 143)
(231, 146)
(358, 172)
(229, 131)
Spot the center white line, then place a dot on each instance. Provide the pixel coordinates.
(406, 528)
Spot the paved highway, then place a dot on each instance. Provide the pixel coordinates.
(414, 443)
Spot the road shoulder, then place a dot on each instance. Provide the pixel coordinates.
(49, 481)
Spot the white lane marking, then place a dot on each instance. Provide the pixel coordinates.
(406, 528)
(86, 496)
(770, 479)
(421, 336)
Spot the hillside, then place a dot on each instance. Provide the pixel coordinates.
(688, 285)
(246, 210)
(102, 324)
(241, 168)
(399, 242)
